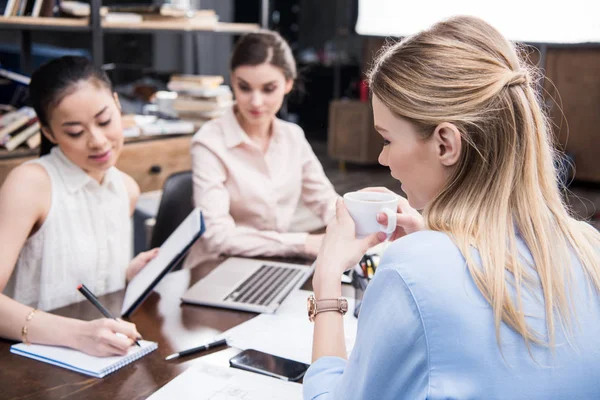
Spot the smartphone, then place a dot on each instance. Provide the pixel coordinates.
(268, 364)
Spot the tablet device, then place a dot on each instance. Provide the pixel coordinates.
(170, 254)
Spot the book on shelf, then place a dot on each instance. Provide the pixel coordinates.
(74, 8)
(201, 115)
(165, 12)
(208, 81)
(160, 10)
(22, 7)
(5, 109)
(186, 89)
(208, 21)
(167, 127)
(123, 17)
(192, 104)
(10, 8)
(12, 121)
(34, 141)
(37, 7)
(49, 8)
(31, 8)
(13, 88)
(21, 136)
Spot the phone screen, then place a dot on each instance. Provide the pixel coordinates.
(267, 364)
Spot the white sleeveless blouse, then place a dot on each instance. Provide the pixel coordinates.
(86, 238)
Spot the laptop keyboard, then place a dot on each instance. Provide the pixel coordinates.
(264, 285)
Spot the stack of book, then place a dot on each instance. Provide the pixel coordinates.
(19, 127)
(151, 125)
(200, 97)
(136, 13)
(31, 8)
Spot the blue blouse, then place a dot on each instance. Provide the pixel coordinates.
(426, 332)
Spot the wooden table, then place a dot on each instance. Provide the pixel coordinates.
(161, 318)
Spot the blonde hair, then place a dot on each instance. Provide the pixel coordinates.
(465, 72)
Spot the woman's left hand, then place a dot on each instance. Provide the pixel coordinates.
(140, 262)
(340, 251)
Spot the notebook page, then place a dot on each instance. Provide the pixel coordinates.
(81, 362)
(208, 382)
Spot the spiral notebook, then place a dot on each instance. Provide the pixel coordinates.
(80, 362)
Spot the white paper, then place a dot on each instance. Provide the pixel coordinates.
(208, 382)
(288, 333)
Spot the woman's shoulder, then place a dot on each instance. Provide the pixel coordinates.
(423, 253)
(31, 175)
(290, 128)
(210, 133)
(132, 188)
(422, 243)
(28, 183)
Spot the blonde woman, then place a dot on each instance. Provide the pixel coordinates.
(496, 296)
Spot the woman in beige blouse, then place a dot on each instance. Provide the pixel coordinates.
(251, 168)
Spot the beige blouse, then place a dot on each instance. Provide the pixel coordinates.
(86, 238)
(248, 198)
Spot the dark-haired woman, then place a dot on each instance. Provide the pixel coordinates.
(65, 217)
(251, 169)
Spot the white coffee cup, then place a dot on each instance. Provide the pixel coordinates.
(364, 207)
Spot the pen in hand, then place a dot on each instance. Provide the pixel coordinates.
(198, 349)
(94, 300)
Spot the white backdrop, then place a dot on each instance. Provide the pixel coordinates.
(531, 21)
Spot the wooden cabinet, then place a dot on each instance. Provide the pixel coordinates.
(149, 161)
(351, 134)
(574, 80)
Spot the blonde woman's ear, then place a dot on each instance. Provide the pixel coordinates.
(447, 139)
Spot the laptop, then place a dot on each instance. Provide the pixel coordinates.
(170, 254)
(248, 284)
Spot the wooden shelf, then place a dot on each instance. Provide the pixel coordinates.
(82, 24)
(178, 26)
(42, 24)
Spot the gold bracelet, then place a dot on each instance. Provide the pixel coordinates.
(25, 327)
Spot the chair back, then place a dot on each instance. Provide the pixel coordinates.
(175, 205)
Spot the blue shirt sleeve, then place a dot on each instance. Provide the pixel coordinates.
(390, 356)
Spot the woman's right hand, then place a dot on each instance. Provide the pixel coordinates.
(106, 337)
(408, 219)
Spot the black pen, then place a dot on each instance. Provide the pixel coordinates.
(94, 300)
(198, 349)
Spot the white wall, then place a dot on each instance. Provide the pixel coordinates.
(532, 21)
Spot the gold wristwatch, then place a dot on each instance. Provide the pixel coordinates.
(315, 306)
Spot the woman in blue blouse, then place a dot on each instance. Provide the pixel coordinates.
(494, 292)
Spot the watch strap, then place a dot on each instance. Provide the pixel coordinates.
(328, 305)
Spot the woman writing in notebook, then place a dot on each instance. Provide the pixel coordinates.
(251, 169)
(65, 217)
(497, 296)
